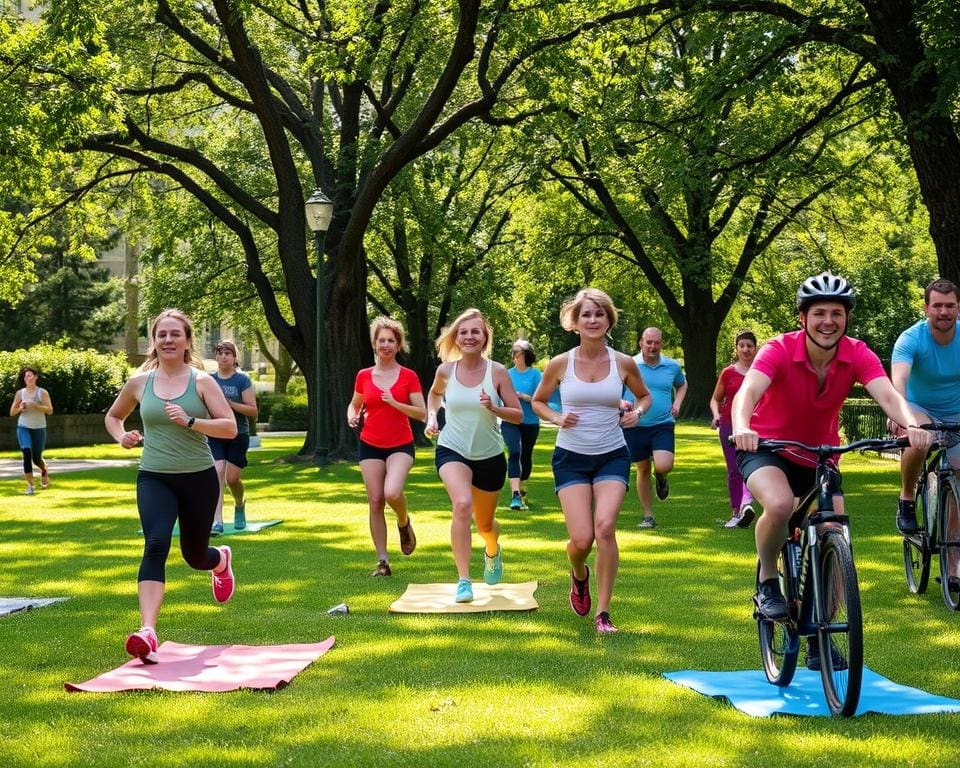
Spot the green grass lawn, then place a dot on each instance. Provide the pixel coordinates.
(507, 689)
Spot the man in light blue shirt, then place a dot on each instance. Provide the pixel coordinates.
(653, 437)
(925, 368)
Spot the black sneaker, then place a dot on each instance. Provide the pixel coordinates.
(770, 601)
(813, 656)
(663, 487)
(907, 517)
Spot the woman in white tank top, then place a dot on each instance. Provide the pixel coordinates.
(474, 392)
(591, 464)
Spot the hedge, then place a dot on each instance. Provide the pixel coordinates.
(290, 413)
(79, 381)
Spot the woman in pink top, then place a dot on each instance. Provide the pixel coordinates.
(729, 382)
(388, 395)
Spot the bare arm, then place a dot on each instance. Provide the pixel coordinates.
(248, 405)
(122, 407)
(681, 393)
(511, 410)
(898, 410)
(633, 381)
(752, 389)
(221, 423)
(415, 409)
(16, 407)
(548, 383)
(435, 398)
(353, 409)
(719, 392)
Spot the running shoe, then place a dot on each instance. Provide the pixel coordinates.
(663, 486)
(29, 491)
(516, 503)
(907, 517)
(216, 529)
(44, 479)
(647, 522)
(580, 594)
(223, 582)
(770, 601)
(382, 569)
(143, 645)
(240, 517)
(408, 539)
(734, 521)
(464, 591)
(492, 567)
(604, 625)
(746, 516)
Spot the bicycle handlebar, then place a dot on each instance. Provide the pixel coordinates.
(869, 444)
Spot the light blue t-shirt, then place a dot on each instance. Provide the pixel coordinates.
(661, 379)
(934, 383)
(527, 383)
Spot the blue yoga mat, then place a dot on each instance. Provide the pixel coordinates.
(749, 691)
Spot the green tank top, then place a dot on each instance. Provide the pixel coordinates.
(169, 447)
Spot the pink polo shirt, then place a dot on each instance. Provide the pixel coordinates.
(794, 407)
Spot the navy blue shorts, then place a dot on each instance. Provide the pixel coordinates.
(367, 451)
(571, 468)
(488, 474)
(643, 441)
(800, 477)
(233, 450)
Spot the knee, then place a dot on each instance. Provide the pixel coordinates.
(462, 509)
(581, 543)
(376, 502)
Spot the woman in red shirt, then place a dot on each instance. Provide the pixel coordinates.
(385, 398)
(729, 382)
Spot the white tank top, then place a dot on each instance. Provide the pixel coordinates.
(597, 404)
(32, 419)
(471, 430)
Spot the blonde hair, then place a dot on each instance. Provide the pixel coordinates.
(570, 310)
(447, 340)
(388, 323)
(190, 355)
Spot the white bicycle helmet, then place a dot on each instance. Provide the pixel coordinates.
(825, 287)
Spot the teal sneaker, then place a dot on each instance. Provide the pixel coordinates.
(216, 529)
(464, 591)
(240, 517)
(492, 567)
(516, 503)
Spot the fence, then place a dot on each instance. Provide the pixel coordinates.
(861, 419)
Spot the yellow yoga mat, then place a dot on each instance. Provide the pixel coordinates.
(438, 598)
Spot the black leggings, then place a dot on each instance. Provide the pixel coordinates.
(520, 440)
(162, 499)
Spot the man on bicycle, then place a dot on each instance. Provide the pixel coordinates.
(925, 368)
(794, 391)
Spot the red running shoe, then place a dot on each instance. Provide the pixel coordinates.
(143, 645)
(604, 625)
(223, 582)
(580, 594)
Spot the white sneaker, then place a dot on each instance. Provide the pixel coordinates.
(29, 491)
(733, 522)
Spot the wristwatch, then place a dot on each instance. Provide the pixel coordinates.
(190, 422)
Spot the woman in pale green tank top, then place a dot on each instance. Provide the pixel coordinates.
(470, 457)
(177, 483)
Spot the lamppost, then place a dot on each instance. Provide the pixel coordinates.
(319, 210)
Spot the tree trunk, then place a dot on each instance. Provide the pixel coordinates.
(912, 78)
(699, 331)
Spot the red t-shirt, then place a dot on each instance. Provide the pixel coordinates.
(384, 426)
(795, 407)
(731, 379)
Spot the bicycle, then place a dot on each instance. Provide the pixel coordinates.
(938, 520)
(819, 580)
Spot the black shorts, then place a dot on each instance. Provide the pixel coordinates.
(488, 474)
(233, 450)
(367, 451)
(801, 477)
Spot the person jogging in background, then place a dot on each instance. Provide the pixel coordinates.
(521, 438)
(31, 405)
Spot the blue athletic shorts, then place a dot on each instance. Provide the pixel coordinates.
(233, 450)
(643, 441)
(571, 468)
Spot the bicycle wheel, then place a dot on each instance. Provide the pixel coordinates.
(916, 547)
(841, 630)
(779, 641)
(949, 531)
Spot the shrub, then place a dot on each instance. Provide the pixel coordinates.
(79, 381)
(266, 402)
(290, 414)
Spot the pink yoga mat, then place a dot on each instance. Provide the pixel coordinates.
(210, 668)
